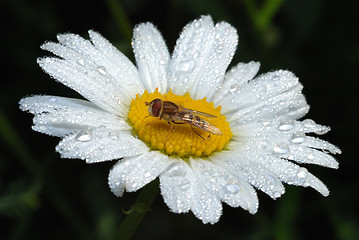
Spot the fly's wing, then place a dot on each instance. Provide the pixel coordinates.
(198, 112)
(200, 123)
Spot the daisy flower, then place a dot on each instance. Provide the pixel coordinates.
(258, 142)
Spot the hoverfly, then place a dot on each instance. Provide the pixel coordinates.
(173, 113)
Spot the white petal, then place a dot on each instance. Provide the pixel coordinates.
(272, 95)
(286, 171)
(321, 144)
(132, 173)
(59, 116)
(241, 166)
(176, 184)
(230, 188)
(205, 204)
(295, 175)
(152, 57)
(124, 72)
(86, 69)
(96, 145)
(312, 156)
(286, 138)
(201, 57)
(235, 78)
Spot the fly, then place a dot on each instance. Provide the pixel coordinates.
(173, 113)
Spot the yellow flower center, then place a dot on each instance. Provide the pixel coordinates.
(179, 138)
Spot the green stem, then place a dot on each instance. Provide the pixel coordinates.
(262, 16)
(138, 211)
(121, 18)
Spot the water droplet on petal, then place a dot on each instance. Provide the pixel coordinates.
(266, 123)
(322, 131)
(276, 78)
(185, 66)
(84, 136)
(114, 134)
(302, 173)
(234, 87)
(81, 62)
(175, 170)
(309, 123)
(209, 172)
(263, 144)
(286, 125)
(310, 157)
(276, 195)
(195, 54)
(298, 138)
(147, 174)
(281, 148)
(53, 99)
(102, 70)
(232, 188)
(162, 62)
(185, 185)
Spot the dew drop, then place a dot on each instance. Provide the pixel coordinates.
(302, 173)
(263, 144)
(195, 54)
(322, 131)
(281, 148)
(162, 62)
(272, 82)
(175, 170)
(276, 195)
(84, 136)
(232, 188)
(298, 138)
(185, 185)
(52, 99)
(234, 87)
(81, 62)
(310, 157)
(309, 123)
(114, 134)
(185, 66)
(209, 172)
(147, 174)
(286, 125)
(276, 78)
(102, 70)
(266, 123)
(260, 90)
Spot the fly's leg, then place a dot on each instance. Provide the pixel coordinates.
(209, 135)
(169, 132)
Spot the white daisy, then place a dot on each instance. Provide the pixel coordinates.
(261, 141)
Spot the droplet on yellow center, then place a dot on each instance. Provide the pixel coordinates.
(178, 139)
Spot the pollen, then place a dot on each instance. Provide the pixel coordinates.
(179, 138)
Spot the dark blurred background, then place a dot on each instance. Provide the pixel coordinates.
(45, 197)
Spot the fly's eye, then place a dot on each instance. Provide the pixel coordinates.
(156, 107)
